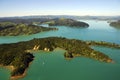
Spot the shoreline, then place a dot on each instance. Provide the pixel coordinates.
(11, 68)
(19, 76)
(22, 75)
(25, 72)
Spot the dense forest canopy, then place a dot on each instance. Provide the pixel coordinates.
(66, 22)
(13, 29)
(20, 54)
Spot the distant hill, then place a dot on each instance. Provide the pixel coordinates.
(115, 24)
(44, 17)
(12, 29)
(22, 20)
(66, 22)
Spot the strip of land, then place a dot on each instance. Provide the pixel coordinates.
(12, 29)
(19, 55)
(66, 22)
(115, 24)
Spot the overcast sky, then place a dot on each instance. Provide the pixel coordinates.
(59, 7)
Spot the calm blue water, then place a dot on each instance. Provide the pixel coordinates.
(53, 65)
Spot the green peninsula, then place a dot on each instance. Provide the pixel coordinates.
(66, 22)
(19, 55)
(12, 29)
(15, 29)
(115, 24)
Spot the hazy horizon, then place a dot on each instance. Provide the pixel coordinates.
(59, 15)
(13, 8)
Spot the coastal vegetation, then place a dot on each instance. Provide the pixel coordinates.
(12, 29)
(66, 22)
(19, 55)
(103, 43)
(115, 24)
(31, 27)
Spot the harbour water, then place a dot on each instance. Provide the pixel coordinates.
(53, 65)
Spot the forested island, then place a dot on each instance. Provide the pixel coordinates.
(15, 28)
(19, 55)
(115, 24)
(66, 22)
(12, 29)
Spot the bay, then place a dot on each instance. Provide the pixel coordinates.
(53, 65)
